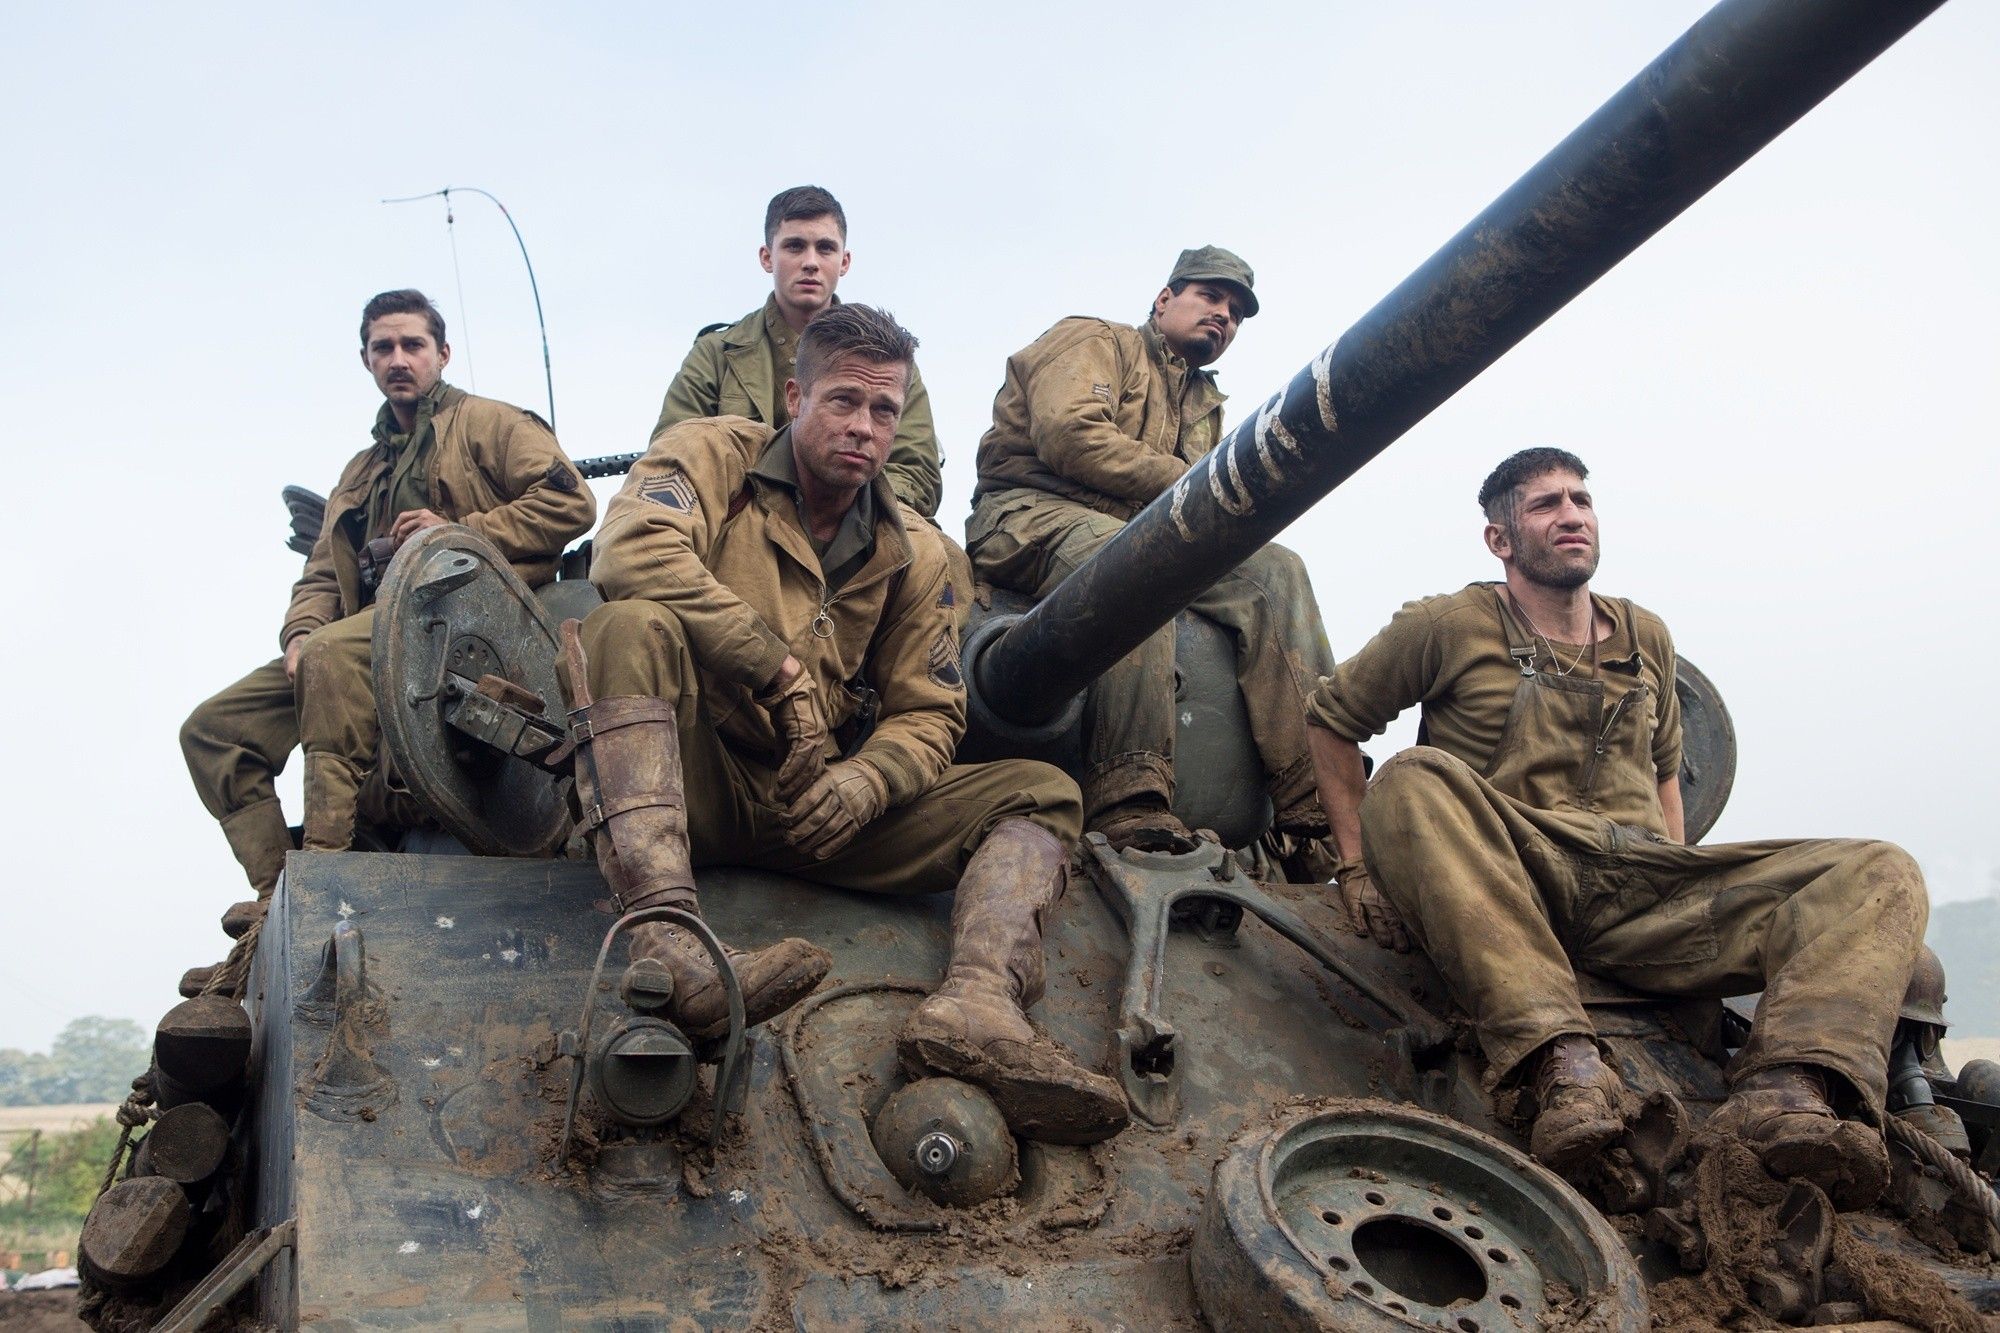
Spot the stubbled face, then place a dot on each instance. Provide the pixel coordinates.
(403, 357)
(1200, 322)
(843, 426)
(806, 261)
(1553, 539)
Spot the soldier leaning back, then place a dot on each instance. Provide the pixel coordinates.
(764, 585)
(1094, 421)
(1537, 827)
(440, 455)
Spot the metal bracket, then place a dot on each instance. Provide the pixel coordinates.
(1206, 888)
(577, 1044)
(234, 1273)
(500, 726)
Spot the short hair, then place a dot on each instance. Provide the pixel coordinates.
(797, 205)
(406, 301)
(852, 330)
(1501, 490)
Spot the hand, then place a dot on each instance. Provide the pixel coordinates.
(413, 521)
(793, 702)
(292, 658)
(1368, 911)
(844, 797)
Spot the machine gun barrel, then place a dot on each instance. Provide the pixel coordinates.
(1733, 82)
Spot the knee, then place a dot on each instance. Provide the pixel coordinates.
(1049, 797)
(1884, 871)
(1280, 570)
(1411, 784)
(337, 647)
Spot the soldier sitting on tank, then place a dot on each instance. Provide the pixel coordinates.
(1096, 419)
(767, 596)
(740, 369)
(1536, 828)
(440, 455)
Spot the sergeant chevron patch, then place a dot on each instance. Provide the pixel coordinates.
(672, 489)
(944, 660)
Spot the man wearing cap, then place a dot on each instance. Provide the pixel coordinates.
(1095, 419)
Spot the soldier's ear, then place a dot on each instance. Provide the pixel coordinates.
(764, 257)
(1498, 542)
(793, 397)
(444, 355)
(1160, 301)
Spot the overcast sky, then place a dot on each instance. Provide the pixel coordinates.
(1786, 398)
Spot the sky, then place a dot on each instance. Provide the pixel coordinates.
(1785, 398)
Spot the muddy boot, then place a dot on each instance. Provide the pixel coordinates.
(260, 838)
(1143, 822)
(628, 786)
(1782, 1113)
(1580, 1105)
(333, 785)
(973, 1026)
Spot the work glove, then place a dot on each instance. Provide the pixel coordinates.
(802, 734)
(834, 807)
(1367, 910)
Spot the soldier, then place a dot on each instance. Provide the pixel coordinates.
(778, 626)
(740, 369)
(1537, 827)
(440, 456)
(1094, 420)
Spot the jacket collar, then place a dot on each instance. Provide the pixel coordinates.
(440, 397)
(1170, 362)
(874, 513)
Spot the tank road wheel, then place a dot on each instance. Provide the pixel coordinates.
(1367, 1215)
(452, 613)
(1708, 749)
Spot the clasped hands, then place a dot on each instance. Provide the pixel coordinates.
(822, 805)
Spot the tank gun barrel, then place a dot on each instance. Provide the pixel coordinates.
(1733, 82)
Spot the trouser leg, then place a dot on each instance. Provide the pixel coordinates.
(1474, 881)
(338, 729)
(1828, 929)
(235, 744)
(646, 804)
(1267, 605)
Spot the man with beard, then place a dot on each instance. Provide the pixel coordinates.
(1094, 421)
(439, 455)
(1537, 826)
(763, 588)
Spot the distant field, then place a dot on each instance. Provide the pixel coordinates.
(16, 1120)
(1957, 1050)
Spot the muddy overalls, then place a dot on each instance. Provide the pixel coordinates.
(1555, 857)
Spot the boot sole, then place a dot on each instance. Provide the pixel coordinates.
(1586, 1143)
(1047, 1105)
(1852, 1177)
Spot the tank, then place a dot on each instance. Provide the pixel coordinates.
(450, 1104)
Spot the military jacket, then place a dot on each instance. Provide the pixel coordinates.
(493, 467)
(701, 529)
(740, 371)
(1099, 413)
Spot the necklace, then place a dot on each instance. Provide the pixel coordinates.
(1555, 658)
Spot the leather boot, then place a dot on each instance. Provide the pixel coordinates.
(629, 789)
(260, 838)
(333, 785)
(1143, 822)
(1783, 1114)
(1580, 1105)
(973, 1026)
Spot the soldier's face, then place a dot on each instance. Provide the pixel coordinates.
(403, 357)
(1553, 539)
(843, 426)
(1200, 322)
(806, 261)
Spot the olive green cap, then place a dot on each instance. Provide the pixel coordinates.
(1212, 263)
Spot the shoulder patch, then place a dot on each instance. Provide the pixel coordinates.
(672, 489)
(560, 476)
(1102, 391)
(944, 659)
(946, 597)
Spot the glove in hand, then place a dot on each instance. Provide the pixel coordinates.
(834, 807)
(802, 732)
(1368, 911)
